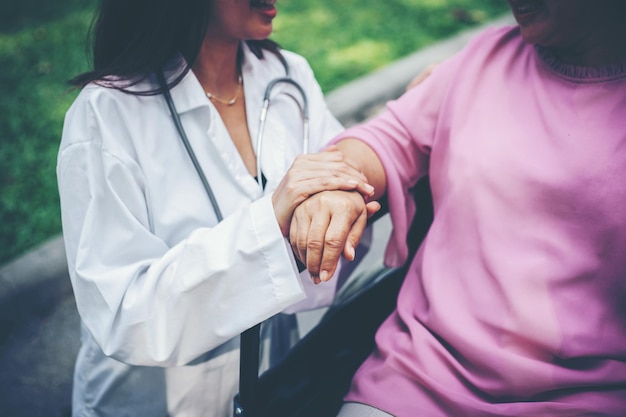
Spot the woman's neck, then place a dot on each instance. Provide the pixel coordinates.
(217, 67)
(607, 52)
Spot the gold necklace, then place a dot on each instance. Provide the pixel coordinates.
(227, 102)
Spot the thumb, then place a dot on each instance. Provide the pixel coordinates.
(372, 208)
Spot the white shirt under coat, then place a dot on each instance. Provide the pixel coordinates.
(158, 282)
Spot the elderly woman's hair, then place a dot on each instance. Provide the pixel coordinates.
(132, 39)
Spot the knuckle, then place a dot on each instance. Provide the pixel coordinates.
(291, 188)
(326, 181)
(315, 244)
(301, 244)
(334, 242)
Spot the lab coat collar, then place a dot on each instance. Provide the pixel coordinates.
(188, 94)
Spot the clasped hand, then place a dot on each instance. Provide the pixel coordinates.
(322, 206)
(327, 225)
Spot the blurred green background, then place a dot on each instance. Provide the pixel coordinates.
(43, 43)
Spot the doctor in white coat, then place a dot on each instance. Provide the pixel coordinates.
(163, 289)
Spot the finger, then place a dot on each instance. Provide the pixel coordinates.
(315, 241)
(320, 170)
(328, 167)
(341, 182)
(298, 238)
(293, 239)
(372, 208)
(298, 234)
(354, 236)
(334, 243)
(309, 187)
(330, 162)
(322, 174)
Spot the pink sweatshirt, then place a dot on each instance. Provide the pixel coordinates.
(516, 302)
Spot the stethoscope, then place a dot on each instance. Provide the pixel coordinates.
(304, 112)
(249, 338)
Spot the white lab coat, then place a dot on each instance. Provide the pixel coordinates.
(162, 290)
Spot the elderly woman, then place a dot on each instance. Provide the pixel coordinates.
(515, 304)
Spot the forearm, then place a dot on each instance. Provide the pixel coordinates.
(363, 158)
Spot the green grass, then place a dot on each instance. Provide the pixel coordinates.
(37, 56)
(42, 44)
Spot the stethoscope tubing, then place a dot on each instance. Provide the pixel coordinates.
(190, 151)
(304, 111)
(249, 338)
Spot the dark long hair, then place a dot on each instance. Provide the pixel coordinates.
(132, 39)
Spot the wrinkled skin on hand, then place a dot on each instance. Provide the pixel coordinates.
(326, 226)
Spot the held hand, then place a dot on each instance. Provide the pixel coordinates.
(311, 174)
(326, 226)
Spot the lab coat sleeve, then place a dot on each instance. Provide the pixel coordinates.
(146, 303)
